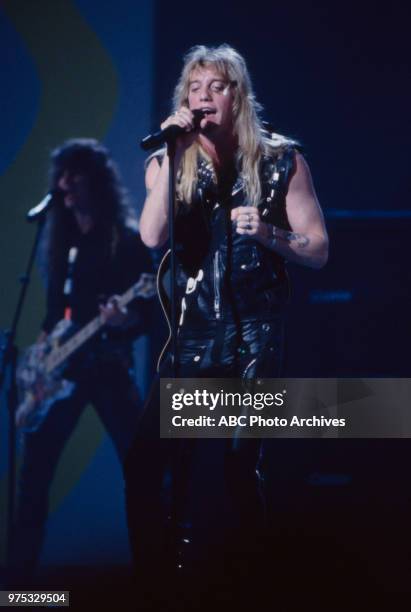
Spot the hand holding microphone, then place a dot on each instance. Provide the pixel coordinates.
(181, 125)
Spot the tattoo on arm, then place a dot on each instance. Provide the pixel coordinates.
(301, 240)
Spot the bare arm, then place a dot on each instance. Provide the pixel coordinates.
(154, 218)
(307, 242)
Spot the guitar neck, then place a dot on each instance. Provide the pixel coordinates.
(59, 354)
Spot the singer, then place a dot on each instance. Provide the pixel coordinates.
(245, 205)
(92, 218)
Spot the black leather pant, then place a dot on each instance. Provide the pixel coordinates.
(253, 350)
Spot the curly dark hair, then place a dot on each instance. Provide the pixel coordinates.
(111, 211)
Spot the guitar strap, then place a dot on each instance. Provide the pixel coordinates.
(68, 283)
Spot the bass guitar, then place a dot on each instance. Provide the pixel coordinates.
(39, 374)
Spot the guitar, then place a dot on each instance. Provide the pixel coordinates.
(39, 373)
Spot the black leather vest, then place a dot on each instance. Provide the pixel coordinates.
(222, 275)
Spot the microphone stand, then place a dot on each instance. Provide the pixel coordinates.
(9, 358)
(171, 153)
(180, 465)
(179, 468)
(178, 537)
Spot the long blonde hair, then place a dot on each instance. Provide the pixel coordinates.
(253, 140)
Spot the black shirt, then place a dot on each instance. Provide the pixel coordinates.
(103, 267)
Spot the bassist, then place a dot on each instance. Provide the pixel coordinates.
(93, 223)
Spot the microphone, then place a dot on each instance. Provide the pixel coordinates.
(45, 204)
(170, 133)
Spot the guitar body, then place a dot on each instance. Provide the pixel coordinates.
(38, 387)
